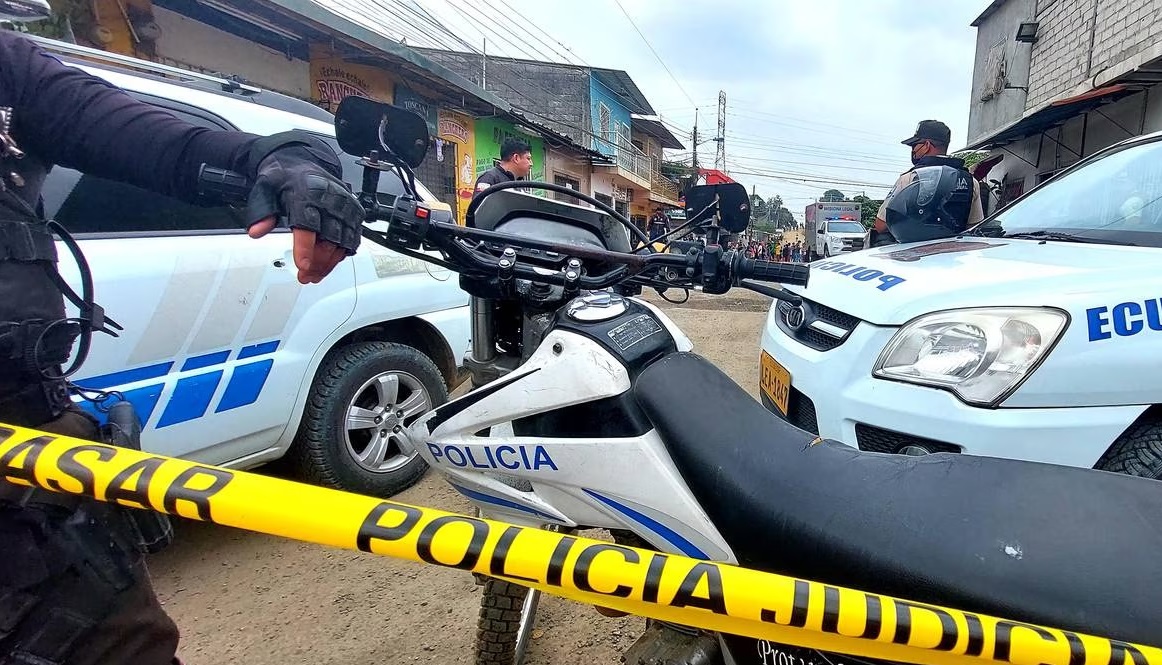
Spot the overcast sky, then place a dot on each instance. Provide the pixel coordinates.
(818, 90)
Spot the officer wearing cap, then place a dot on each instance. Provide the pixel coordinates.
(930, 148)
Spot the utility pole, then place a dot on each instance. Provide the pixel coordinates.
(484, 65)
(720, 158)
(694, 140)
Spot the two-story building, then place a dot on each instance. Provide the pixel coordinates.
(602, 109)
(1057, 80)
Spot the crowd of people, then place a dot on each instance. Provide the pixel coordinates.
(774, 250)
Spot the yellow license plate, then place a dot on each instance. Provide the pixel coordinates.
(774, 381)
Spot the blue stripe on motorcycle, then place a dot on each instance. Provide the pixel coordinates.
(674, 538)
(497, 501)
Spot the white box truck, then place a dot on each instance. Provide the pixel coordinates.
(833, 227)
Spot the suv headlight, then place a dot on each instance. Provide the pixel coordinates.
(981, 355)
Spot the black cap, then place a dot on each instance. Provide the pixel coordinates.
(930, 130)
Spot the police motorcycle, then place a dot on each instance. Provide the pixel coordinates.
(589, 411)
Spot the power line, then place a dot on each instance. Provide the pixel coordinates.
(828, 166)
(846, 134)
(526, 53)
(525, 21)
(651, 47)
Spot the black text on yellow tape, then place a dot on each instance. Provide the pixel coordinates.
(705, 594)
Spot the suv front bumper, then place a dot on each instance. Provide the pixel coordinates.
(834, 395)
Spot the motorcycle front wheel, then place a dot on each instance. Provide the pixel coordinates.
(507, 614)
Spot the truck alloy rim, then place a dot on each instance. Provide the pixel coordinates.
(377, 416)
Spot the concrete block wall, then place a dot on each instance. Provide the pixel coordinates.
(551, 94)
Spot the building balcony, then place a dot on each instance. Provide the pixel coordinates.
(662, 189)
(629, 163)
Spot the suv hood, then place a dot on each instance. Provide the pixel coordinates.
(892, 285)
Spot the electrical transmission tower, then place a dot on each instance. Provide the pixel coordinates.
(720, 158)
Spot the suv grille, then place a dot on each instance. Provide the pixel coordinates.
(877, 440)
(800, 411)
(817, 326)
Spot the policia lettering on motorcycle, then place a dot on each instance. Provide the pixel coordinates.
(914, 218)
(73, 586)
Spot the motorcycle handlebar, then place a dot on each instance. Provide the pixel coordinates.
(234, 188)
(771, 271)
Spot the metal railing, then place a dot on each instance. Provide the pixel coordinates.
(633, 160)
(663, 186)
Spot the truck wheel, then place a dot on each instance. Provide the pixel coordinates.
(1137, 452)
(363, 396)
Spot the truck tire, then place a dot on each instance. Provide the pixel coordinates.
(507, 614)
(1138, 451)
(349, 437)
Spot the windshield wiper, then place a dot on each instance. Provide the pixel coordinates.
(1064, 237)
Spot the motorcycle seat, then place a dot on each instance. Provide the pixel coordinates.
(1068, 548)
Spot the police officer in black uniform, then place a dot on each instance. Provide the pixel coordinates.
(930, 148)
(516, 163)
(73, 584)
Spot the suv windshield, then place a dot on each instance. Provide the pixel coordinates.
(1114, 200)
(845, 227)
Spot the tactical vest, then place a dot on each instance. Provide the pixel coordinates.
(959, 203)
(36, 336)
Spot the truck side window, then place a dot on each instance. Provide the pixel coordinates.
(86, 204)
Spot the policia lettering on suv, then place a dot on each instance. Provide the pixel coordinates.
(960, 206)
(73, 584)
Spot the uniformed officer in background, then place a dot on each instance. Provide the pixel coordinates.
(930, 148)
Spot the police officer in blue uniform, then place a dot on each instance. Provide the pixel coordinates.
(73, 584)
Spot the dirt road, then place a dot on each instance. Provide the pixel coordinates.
(244, 598)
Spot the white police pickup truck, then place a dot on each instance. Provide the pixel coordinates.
(1037, 335)
(226, 357)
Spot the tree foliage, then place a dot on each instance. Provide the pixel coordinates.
(868, 208)
(833, 195)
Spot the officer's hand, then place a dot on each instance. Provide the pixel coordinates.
(314, 258)
(298, 185)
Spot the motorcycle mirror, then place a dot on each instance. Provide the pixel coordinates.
(24, 11)
(364, 125)
(730, 200)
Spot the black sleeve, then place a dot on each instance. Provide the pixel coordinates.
(68, 117)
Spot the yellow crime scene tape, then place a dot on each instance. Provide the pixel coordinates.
(714, 596)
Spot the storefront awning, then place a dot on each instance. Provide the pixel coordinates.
(1052, 115)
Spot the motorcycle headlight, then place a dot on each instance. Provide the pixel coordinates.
(981, 355)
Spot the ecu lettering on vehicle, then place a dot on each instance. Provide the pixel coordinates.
(860, 273)
(1124, 319)
(704, 594)
(529, 458)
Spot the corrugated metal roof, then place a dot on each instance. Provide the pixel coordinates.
(623, 86)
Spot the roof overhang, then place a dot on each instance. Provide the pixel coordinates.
(1052, 114)
(988, 11)
(659, 131)
(622, 85)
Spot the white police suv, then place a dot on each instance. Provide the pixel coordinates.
(1037, 335)
(226, 357)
